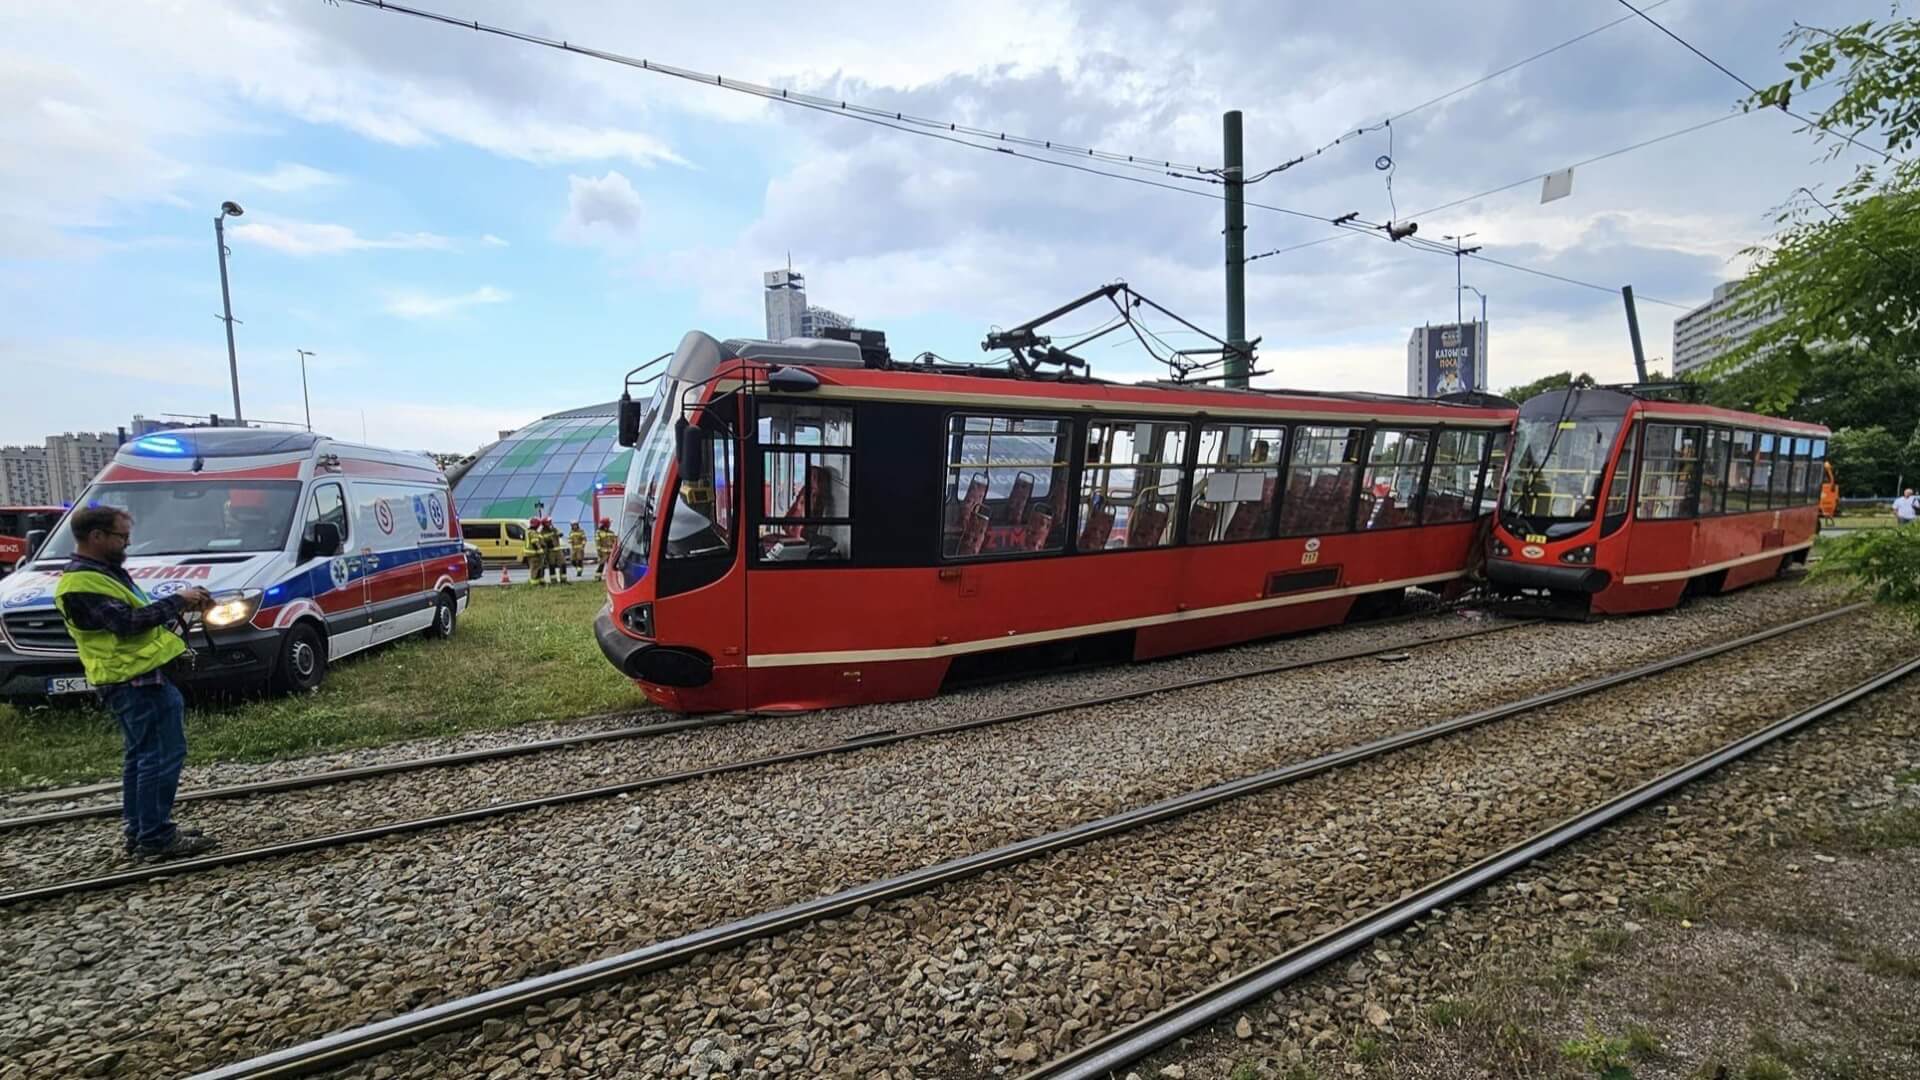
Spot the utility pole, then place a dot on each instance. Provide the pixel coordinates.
(1238, 365)
(228, 209)
(304, 353)
(1459, 253)
(1633, 331)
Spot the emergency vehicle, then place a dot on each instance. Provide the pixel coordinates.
(15, 523)
(313, 550)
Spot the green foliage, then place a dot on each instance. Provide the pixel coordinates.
(1866, 461)
(1883, 563)
(1843, 386)
(1605, 1055)
(1557, 381)
(1878, 68)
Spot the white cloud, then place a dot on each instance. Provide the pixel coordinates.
(320, 238)
(600, 208)
(291, 176)
(493, 241)
(414, 305)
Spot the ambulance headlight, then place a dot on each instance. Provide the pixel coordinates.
(231, 608)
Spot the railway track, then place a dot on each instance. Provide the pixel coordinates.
(1128, 1045)
(876, 740)
(347, 1046)
(327, 777)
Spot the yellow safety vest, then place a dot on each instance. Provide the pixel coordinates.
(105, 656)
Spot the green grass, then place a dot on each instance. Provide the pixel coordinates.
(519, 654)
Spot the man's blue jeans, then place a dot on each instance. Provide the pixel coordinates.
(153, 728)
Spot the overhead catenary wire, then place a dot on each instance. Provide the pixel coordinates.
(898, 122)
(1185, 170)
(1438, 98)
(1752, 90)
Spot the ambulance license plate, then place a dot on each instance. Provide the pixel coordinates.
(68, 684)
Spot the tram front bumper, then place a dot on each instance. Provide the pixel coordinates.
(662, 665)
(1511, 574)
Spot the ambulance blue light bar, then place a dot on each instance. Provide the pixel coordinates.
(160, 446)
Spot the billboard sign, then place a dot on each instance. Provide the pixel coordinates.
(1453, 359)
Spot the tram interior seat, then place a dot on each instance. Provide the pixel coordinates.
(973, 535)
(1099, 525)
(1248, 518)
(1201, 520)
(1147, 525)
(1039, 527)
(1017, 498)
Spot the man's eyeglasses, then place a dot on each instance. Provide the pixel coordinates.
(121, 535)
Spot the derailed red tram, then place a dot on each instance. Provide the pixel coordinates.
(1623, 503)
(805, 526)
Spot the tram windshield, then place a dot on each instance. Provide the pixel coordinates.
(644, 476)
(1559, 459)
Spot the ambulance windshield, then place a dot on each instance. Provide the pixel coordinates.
(194, 517)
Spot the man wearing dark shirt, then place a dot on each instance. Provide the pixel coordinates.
(125, 642)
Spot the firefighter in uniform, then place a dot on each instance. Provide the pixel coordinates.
(550, 545)
(534, 552)
(603, 542)
(577, 544)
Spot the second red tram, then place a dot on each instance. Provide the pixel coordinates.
(1628, 503)
(805, 528)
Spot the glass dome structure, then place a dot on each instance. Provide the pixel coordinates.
(556, 462)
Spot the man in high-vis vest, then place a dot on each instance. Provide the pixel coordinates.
(125, 643)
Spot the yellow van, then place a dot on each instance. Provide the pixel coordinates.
(500, 540)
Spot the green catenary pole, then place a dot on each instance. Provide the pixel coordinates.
(1237, 364)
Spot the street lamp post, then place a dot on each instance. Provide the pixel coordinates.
(228, 209)
(1483, 302)
(304, 400)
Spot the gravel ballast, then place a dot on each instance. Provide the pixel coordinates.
(277, 952)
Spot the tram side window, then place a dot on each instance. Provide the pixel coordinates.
(1667, 467)
(806, 459)
(1713, 472)
(1234, 486)
(1130, 485)
(1496, 478)
(1320, 480)
(1740, 473)
(1762, 471)
(1620, 485)
(1798, 471)
(1390, 488)
(1453, 486)
(702, 521)
(1782, 472)
(1816, 470)
(1005, 476)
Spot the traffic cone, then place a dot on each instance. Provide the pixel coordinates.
(504, 579)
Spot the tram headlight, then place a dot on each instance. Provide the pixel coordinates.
(1580, 556)
(1501, 549)
(639, 619)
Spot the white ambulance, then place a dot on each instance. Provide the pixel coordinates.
(314, 549)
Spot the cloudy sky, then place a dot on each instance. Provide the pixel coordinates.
(470, 232)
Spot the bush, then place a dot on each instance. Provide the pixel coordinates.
(1882, 563)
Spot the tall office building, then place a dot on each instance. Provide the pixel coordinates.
(789, 314)
(1704, 334)
(73, 461)
(23, 476)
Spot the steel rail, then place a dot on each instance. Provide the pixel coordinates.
(363, 772)
(340, 1048)
(465, 757)
(857, 743)
(1128, 1045)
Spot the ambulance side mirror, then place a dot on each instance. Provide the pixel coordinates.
(322, 539)
(629, 420)
(35, 538)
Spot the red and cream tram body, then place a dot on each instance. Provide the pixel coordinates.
(1632, 502)
(801, 529)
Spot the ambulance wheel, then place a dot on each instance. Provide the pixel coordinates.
(303, 660)
(445, 614)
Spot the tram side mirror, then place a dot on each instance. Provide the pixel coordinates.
(35, 538)
(322, 539)
(629, 419)
(792, 380)
(693, 457)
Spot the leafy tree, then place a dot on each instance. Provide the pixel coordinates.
(1866, 461)
(1839, 386)
(1883, 564)
(1879, 74)
(1556, 381)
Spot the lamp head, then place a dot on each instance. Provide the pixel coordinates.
(231, 208)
